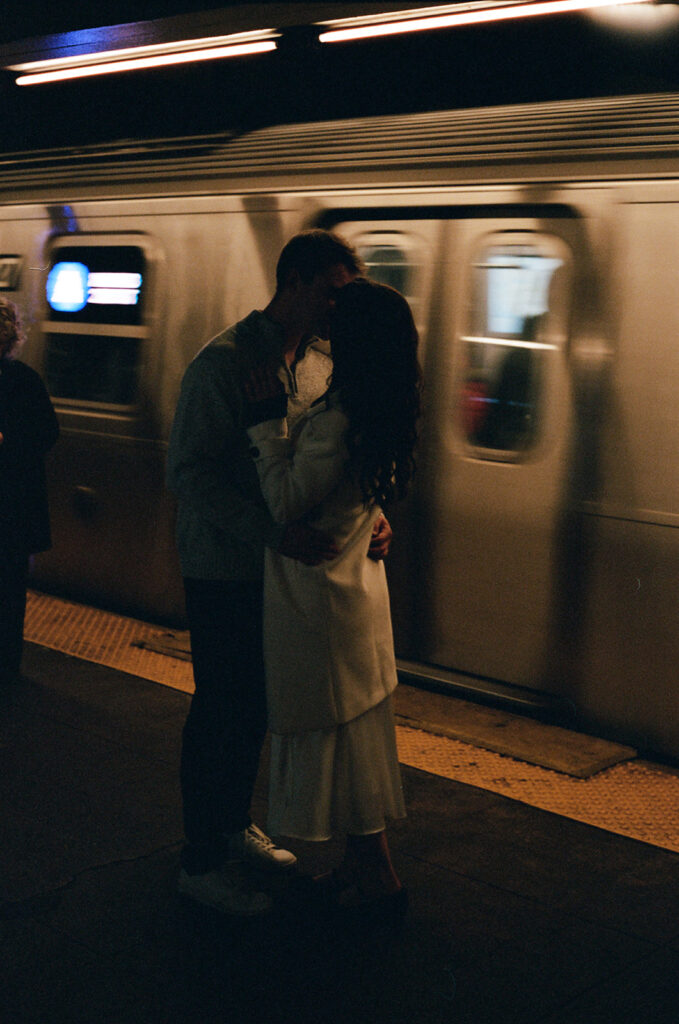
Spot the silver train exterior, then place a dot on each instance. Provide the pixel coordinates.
(537, 557)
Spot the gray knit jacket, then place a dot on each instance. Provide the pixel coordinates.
(223, 524)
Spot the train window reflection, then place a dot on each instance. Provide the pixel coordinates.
(388, 264)
(517, 287)
(89, 368)
(507, 346)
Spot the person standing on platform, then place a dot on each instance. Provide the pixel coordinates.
(223, 529)
(28, 429)
(328, 646)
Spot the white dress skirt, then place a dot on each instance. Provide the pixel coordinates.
(328, 644)
(344, 780)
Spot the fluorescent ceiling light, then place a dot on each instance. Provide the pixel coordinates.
(108, 62)
(452, 15)
(648, 19)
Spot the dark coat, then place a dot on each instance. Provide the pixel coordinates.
(30, 428)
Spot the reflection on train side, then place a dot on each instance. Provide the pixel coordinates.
(506, 346)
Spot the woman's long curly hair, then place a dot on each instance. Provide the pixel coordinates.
(12, 334)
(374, 350)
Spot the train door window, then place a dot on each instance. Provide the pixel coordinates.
(10, 273)
(96, 295)
(392, 258)
(515, 325)
(386, 262)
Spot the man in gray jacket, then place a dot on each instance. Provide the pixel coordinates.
(223, 526)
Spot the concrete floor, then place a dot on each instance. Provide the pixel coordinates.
(516, 914)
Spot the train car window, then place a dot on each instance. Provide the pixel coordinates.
(387, 263)
(91, 368)
(393, 258)
(95, 300)
(10, 273)
(508, 342)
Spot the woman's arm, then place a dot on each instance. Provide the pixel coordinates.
(295, 479)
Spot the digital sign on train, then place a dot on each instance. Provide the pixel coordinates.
(96, 284)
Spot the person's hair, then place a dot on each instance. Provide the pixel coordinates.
(374, 348)
(313, 252)
(12, 334)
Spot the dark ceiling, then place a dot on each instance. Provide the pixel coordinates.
(23, 19)
(536, 59)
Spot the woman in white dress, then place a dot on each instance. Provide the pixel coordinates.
(327, 629)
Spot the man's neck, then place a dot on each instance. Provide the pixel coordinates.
(291, 349)
(277, 313)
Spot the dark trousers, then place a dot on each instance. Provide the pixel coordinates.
(226, 724)
(13, 582)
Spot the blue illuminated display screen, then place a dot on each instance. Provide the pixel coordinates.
(96, 284)
(67, 287)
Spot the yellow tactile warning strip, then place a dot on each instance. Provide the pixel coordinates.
(636, 799)
(107, 639)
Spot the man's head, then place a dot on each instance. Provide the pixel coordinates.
(311, 269)
(310, 253)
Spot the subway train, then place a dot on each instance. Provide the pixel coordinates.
(536, 559)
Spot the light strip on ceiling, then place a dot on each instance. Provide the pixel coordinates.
(108, 62)
(412, 21)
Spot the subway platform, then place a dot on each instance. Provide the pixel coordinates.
(517, 914)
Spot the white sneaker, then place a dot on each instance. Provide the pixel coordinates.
(224, 890)
(258, 850)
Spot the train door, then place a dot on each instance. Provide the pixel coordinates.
(111, 523)
(482, 523)
(497, 455)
